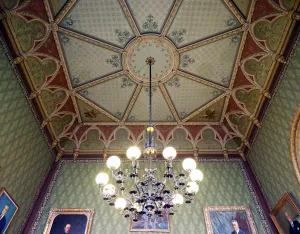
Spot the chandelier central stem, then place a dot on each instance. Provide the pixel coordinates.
(150, 61)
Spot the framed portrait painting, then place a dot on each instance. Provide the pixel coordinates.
(61, 221)
(229, 219)
(8, 209)
(154, 224)
(286, 215)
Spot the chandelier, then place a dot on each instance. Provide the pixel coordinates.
(149, 195)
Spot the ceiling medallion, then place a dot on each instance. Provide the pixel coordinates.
(164, 52)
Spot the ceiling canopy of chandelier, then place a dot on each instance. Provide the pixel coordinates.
(150, 195)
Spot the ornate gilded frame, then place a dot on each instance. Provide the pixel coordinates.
(295, 144)
(3, 190)
(286, 198)
(209, 209)
(55, 212)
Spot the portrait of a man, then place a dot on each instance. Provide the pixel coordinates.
(8, 209)
(229, 219)
(286, 215)
(69, 221)
(294, 225)
(236, 228)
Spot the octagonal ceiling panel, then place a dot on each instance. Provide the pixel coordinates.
(105, 95)
(100, 61)
(91, 114)
(57, 5)
(188, 95)
(197, 20)
(100, 19)
(160, 109)
(150, 15)
(213, 61)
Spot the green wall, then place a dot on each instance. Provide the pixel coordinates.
(270, 154)
(24, 155)
(75, 187)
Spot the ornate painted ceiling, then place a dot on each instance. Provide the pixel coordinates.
(84, 61)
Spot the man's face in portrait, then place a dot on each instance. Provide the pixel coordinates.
(235, 226)
(67, 228)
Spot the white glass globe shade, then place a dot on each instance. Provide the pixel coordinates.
(177, 199)
(192, 187)
(113, 162)
(138, 207)
(109, 190)
(120, 203)
(189, 164)
(102, 179)
(196, 175)
(133, 153)
(169, 153)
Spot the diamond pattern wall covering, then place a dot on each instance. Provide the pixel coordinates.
(270, 155)
(75, 187)
(25, 156)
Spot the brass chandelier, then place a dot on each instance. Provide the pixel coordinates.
(150, 195)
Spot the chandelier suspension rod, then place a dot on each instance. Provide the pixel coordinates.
(150, 91)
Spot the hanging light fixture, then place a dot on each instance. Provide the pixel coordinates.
(150, 195)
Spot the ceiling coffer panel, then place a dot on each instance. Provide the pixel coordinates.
(150, 15)
(214, 61)
(197, 20)
(188, 95)
(160, 109)
(86, 61)
(105, 95)
(100, 19)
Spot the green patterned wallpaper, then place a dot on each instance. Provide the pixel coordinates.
(75, 187)
(24, 157)
(270, 154)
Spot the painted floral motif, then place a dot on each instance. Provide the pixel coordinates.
(68, 21)
(209, 114)
(122, 36)
(154, 89)
(91, 114)
(65, 40)
(232, 22)
(174, 82)
(150, 25)
(126, 82)
(131, 118)
(177, 36)
(235, 40)
(170, 118)
(225, 81)
(186, 60)
(75, 80)
(85, 93)
(216, 93)
(114, 61)
(183, 114)
(118, 114)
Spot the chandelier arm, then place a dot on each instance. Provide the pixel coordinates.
(126, 197)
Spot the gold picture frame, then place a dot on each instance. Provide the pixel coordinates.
(224, 215)
(278, 214)
(60, 218)
(11, 208)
